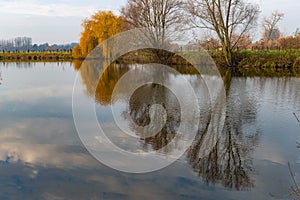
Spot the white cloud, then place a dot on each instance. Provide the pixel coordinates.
(35, 94)
(25, 142)
(31, 7)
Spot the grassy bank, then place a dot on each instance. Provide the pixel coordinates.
(253, 63)
(242, 59)
(262, 59)
(35, 56)
(247, 62)
(266, 63)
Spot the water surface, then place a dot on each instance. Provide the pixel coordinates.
(42, 157)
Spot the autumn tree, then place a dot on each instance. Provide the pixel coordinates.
(161, 18)
(76, 53)
(245, 42)
(271, 31)
(96, 29)
(290, 42)
(230, 20)
(210, 44)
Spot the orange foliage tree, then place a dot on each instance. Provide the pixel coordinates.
(96, 29)
(290, 42)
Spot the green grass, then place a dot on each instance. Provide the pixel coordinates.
(263, 62)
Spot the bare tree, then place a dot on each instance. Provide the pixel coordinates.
(271, 31)
(297, 32)
(18, 43)
(161, 18)
(230, 20)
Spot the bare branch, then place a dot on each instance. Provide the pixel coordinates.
(229, 19)
(271, 31)
(160, 17)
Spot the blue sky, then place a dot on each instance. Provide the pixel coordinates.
(59, 21)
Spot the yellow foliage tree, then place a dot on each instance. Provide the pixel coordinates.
(98, 28)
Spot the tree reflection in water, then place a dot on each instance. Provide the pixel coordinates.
(229, 163)
(139, 109)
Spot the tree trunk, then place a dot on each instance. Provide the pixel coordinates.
(227, 52)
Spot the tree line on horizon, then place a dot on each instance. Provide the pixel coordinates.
(227, 23)
(24, 44)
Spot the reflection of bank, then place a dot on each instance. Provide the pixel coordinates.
(141, 101)
(104, 85)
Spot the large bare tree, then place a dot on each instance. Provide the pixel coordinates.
(270, 26)
(161, 18)
(230, 20)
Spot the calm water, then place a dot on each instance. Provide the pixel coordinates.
(42, 157)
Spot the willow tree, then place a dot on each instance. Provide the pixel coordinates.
(230, 20)
(96, 29)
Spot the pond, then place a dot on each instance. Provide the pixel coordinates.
(43, 157)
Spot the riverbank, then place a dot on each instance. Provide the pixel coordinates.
(247, 62)
(35, 56)
(254, 63)
(242, 59)
(261, 58)
(263, 62)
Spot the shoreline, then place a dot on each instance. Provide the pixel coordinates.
(35, 56)
(254, 62)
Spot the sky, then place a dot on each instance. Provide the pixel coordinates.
(59, 21)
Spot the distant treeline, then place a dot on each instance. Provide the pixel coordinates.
(24, 44)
